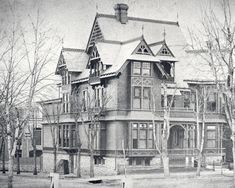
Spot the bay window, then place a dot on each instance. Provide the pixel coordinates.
(142, 135)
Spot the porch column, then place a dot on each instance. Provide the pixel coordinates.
(186, 146)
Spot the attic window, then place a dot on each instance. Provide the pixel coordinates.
(143, 50)
(165, 51)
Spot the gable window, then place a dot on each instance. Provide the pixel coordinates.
(143, 50)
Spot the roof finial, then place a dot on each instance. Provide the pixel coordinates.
(62, 42)
(164, 34)
(142, 30)
(96, 7)
(177, 17)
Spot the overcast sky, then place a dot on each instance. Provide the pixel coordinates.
(73, 18)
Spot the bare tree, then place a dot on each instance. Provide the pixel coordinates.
(77, 108)
(218, 52)
(21, 82)
(95, 110)
(52, 114)
(161, 145)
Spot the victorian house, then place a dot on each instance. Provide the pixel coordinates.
(129, 59)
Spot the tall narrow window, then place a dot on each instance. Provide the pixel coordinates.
(143, 136)
(211, 136)
(211, 102)
(65, 101)
(136, 68)
(84, 100)
(135, 136)
(137, 98)
(186, 96)
(146, 69)
(146, 98)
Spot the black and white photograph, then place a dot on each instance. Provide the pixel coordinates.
(117, 93)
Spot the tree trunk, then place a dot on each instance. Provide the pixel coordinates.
(165, 158)
(3, 158)
(199, 164)
(35, 160)
(10, 171)
(92, 163)
(18, 159)
(55, 159)
(165, 161)
(79, 163)
(233, 139)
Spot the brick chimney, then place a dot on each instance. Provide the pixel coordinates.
(121, 12)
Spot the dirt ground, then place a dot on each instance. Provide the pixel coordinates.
(216, 181)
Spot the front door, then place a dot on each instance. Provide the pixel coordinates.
(176, 139)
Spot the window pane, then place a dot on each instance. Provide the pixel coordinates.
(135, 145)
(137, 92)
(146, 69)
(211, 135)
(142, 144)
(150, 144)
(143, 125)
(37, 136)
(134, 125)
(211, 143)
(143, 133)
(134, 134)
(150, 136)
(136, 68)
(146, 92)
(136, 103)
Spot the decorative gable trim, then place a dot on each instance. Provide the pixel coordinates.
(165, 51)
(61, 64)
(95, 35)
(143, 48)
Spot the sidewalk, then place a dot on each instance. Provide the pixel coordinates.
(173, 175)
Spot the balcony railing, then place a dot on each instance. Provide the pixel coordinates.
(94, 80)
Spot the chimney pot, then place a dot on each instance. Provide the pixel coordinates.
(121, 12)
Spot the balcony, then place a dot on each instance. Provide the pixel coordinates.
(94, 80)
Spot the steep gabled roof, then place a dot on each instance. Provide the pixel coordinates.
(109, 29)
(74, 60)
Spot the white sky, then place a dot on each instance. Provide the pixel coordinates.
(73, 19)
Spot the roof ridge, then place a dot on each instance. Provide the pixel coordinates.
(157, 43)
(121, 42)
(73, 49)
(140, 19)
